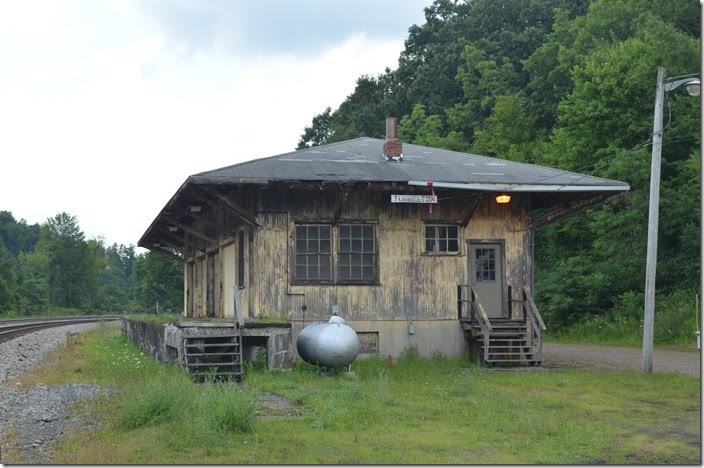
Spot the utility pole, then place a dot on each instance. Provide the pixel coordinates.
(653, 212)
(700, 312)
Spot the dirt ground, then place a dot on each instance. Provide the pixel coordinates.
(620, 358)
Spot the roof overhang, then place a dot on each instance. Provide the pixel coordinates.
(523, 187)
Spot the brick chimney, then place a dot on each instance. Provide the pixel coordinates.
(393, 149)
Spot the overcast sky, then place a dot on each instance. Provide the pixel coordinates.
(107, 106)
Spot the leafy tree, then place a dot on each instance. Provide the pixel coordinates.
(8, 281)
(18, 236)
(509, 131)
(609, 112)
(319, 131)
(158, 277)
(71, 268)
(33, 285)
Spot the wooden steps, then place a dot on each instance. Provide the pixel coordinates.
(509, 342)
(219, 356)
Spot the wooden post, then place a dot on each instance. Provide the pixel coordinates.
(653, 212)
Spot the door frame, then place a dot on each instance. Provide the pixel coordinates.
(470, 272)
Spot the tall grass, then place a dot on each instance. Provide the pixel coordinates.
(675, 322)
(209, 408)
(224, 408)
(164, 397)
(437, 410)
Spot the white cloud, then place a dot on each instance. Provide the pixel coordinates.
(103, 117)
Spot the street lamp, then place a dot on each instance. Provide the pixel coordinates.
(693, 85)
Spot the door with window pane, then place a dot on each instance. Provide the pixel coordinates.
(486, 273)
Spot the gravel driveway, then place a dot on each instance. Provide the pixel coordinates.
(619, 358)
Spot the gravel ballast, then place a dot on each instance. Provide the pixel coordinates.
(32, 419)
(19, 354)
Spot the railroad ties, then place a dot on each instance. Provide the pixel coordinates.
(214, 356)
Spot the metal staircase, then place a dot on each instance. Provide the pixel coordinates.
(217, 356)
(501, 341)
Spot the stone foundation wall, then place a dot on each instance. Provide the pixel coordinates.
(165, 342)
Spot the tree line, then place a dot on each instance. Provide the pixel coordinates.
(567, 84)
(52, 269)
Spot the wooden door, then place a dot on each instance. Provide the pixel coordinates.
(486, 273)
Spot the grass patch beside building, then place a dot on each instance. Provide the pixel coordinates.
(435, 410)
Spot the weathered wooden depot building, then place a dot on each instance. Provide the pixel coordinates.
(414, 245)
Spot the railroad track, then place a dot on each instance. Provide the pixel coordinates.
(12, 328)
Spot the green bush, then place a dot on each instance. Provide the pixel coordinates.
(675, 318)
(675, 322)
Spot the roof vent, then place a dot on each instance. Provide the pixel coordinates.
(393, 149)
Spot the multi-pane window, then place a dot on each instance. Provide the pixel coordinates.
(356, 254)
(313, 253)
(441, 238)
(485, 264)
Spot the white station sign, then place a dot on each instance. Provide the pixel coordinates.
(414, 198)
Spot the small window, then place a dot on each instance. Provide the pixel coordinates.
(357, 253)
(313, 253)
(485, 264)
(441, 238)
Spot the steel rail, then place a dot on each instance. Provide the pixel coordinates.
(11, 328)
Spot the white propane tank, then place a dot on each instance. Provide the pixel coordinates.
(329, 344)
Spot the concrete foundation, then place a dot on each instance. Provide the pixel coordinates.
(394, 336)
(165, 342)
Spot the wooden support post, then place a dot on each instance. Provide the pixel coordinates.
(568, 209)
(343, 202)
(186, 242)
(473, 204)
(170, 253)
(203, 219)
(172, 245)
(188, 229)
(241, 212)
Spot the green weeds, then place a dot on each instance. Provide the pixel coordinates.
(437, 410)
(675, 323)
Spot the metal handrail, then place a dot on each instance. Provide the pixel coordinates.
(482, 313)
(484, 322)
(533, 309)
(536, 323)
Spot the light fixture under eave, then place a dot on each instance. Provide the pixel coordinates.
(195, 208)
(173, 229)
(503, 198)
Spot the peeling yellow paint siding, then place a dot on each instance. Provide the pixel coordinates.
(412, 285)
(271, 280)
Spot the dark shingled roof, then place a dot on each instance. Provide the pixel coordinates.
(361, 160)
